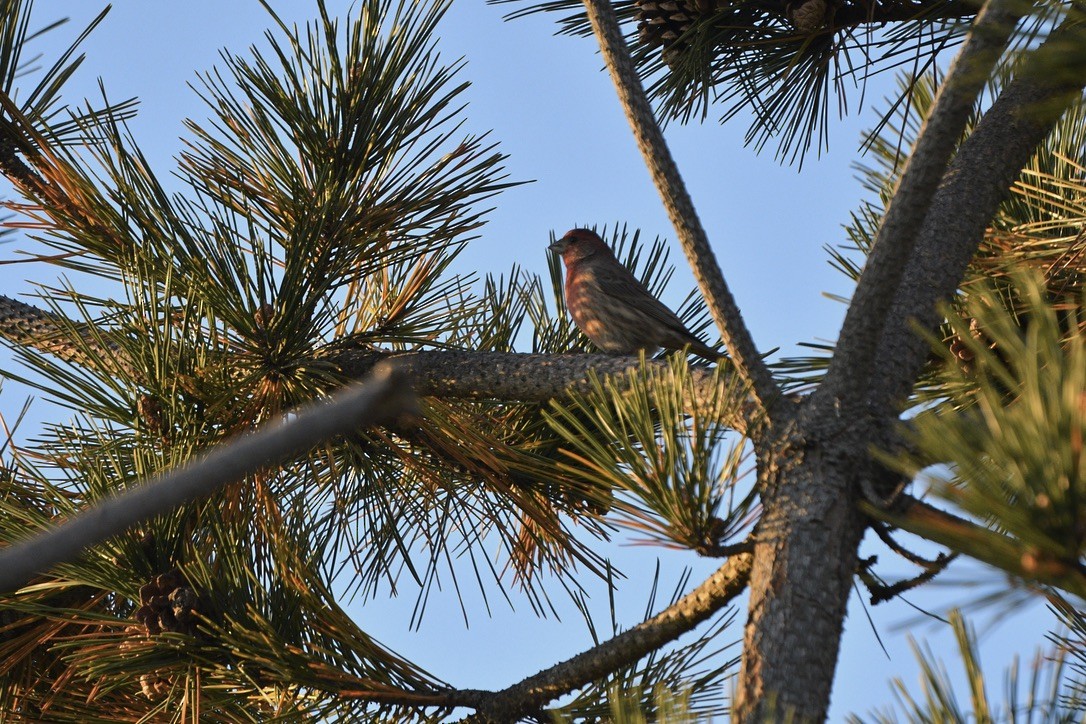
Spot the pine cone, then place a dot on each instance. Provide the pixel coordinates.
(662, 22)
(808, 16)
(168, 604)
(262, 317)
(150, 411)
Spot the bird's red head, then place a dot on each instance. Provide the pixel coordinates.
(578, 244)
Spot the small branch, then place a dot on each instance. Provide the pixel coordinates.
(697, 606)
(13, 167)
(726, 551)
(526, 698)
(679, 205)
(883, 532)
(853, 362)
(882, 592)
(387, 394)
(41, 258)
(987, 546)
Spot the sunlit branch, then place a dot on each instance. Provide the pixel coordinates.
(28, 326)
(1045, 83)
(679, 205)
(453, 374)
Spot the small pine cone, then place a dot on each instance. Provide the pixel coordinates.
(960, 350)
(662, 22)
(809, 16)
(262, 317)
(154, 686)
(168, 604)
(711, 536)
(183, 606)
(150, 412)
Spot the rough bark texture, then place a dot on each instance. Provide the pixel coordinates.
(935, 146)
(975, 183)
(804, 557)
(815, 464)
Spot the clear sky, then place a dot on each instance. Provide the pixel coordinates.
(554, 111)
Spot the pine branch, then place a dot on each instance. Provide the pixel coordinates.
(520, 377)
(534, 692)
(881, 592)
(679, 205)
(28, 326)
(527, 697)
(386, 394)
(449, 374)
(853, 364)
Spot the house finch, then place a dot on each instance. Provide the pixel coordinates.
(612, 307)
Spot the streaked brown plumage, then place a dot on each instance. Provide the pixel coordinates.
(612, 307)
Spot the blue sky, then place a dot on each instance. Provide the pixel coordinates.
(554, 111)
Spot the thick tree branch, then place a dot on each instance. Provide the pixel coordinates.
(452, 374)
(855, 14)
(853, 361)
(385, 395)
(679, 205)
(628, 647)
(1047, 81)
(518, 377)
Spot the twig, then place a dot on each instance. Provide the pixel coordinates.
(988, 546)
(41, 257)
(725, 551)
(386, 394)
(680, 207)
(883, 532)
(881, 591)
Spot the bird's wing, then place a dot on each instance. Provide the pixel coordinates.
(625, 289)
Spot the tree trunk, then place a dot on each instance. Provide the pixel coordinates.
(804, 558)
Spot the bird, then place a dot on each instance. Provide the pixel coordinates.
(612, 307)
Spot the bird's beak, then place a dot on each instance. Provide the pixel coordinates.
(559, 246)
